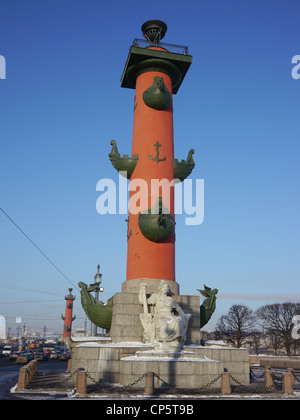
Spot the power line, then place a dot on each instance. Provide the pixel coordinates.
(29, 301)
(9, 286)
(44, 255)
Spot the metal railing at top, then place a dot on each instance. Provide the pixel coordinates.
(177, 49)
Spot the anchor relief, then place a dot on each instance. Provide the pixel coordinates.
(156, 158)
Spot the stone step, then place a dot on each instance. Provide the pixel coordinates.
(172, 355)
(188, 370)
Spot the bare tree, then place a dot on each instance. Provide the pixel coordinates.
(274, 340)
(236, 326)
(276, 320)
(255, 340)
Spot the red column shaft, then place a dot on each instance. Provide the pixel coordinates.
(68, 316)
(147, 259)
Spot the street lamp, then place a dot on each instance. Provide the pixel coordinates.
(98, 289)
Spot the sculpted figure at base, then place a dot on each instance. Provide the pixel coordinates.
(165, 323)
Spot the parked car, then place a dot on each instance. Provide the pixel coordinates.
(41, 356)
(55, 355)
(14, 355)
(25, 358)
(7, 350)
(65, 356)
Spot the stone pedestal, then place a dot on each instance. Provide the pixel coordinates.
(235, 361)
(126, 324)
(133, 286)
(185, 369)
(124, 363)
(123, 358)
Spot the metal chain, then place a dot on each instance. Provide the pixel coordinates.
(276, 380)
(256, 376)
(162, 380)
(210, 383)
(122, 387)
(68, 378)
(297, 379)
(91, 378)
(130, 385)
(194, 389)
(249, 389)
(135, 382)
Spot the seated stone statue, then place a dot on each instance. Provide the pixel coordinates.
(165, 325)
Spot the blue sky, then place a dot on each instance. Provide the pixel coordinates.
(60, 105)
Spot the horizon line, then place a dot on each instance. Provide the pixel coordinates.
(255, 296)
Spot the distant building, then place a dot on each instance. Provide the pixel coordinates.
(2, 328)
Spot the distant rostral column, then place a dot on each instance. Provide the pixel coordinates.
(68, 318)
(156, 74)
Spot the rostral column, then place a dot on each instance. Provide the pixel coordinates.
(68, 318)
(156, 71)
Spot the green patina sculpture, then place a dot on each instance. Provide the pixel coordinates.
(122, 164)
(127, 164)
(183, 169)
(63, 317)
(156, 223)
(208, 306)
(98, 312)
(157, 95)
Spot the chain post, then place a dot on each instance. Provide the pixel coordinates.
(225, 387)
(149, 385)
